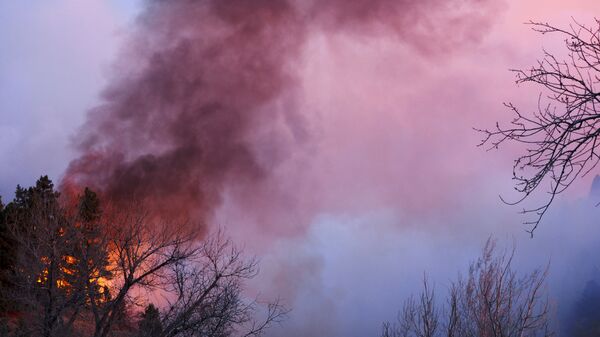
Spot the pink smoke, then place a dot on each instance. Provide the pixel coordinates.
(206, 100)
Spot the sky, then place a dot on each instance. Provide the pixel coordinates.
(377, 180)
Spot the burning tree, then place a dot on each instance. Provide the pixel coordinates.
(562, 136)
(40, 274)
(77, 269)
(492, 301)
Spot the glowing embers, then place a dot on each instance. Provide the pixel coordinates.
(66, 268)
(69, 274)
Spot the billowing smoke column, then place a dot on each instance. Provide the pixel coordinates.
(177, 123)
(201, 81)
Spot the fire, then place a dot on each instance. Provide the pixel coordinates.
(69, 269)
(70, 259)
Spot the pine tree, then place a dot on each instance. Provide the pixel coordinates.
(5, 258)
(90, 256)
(20, 229)
(89, 206)
(150, 325)
(36, 242)
(586, 314)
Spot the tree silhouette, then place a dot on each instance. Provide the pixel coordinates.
(90, 255)
(39, 242)
(150, 325)
(562, 136)
(585, 321)
(492, 301)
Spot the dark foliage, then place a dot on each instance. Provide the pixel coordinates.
(150, 325)
(76, 268)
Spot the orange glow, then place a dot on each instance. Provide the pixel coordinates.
(43, 278)
(69, 269)
(63, 284)
(70, 259)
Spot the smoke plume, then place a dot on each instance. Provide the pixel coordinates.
(204, 94)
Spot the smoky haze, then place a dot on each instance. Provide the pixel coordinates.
(203, 96)
(210, 114)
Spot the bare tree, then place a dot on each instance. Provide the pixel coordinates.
(492, 301)
(561, 137)
(418, 318)
(206, 294)
(199, 278)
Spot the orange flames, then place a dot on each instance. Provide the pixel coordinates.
(70, 269)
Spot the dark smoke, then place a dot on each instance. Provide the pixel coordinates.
(200, 80)
(178, 126)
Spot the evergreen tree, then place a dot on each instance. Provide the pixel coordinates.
(89, 206)
(5, 258)
(90, 255)
(37, 242)
(586, 314)
(150, 325)
(20, 228)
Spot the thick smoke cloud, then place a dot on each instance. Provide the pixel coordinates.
(229, 113)
(177, 124)
(204, 96)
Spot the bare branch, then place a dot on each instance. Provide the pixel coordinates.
(561, 137)
(491, 301)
